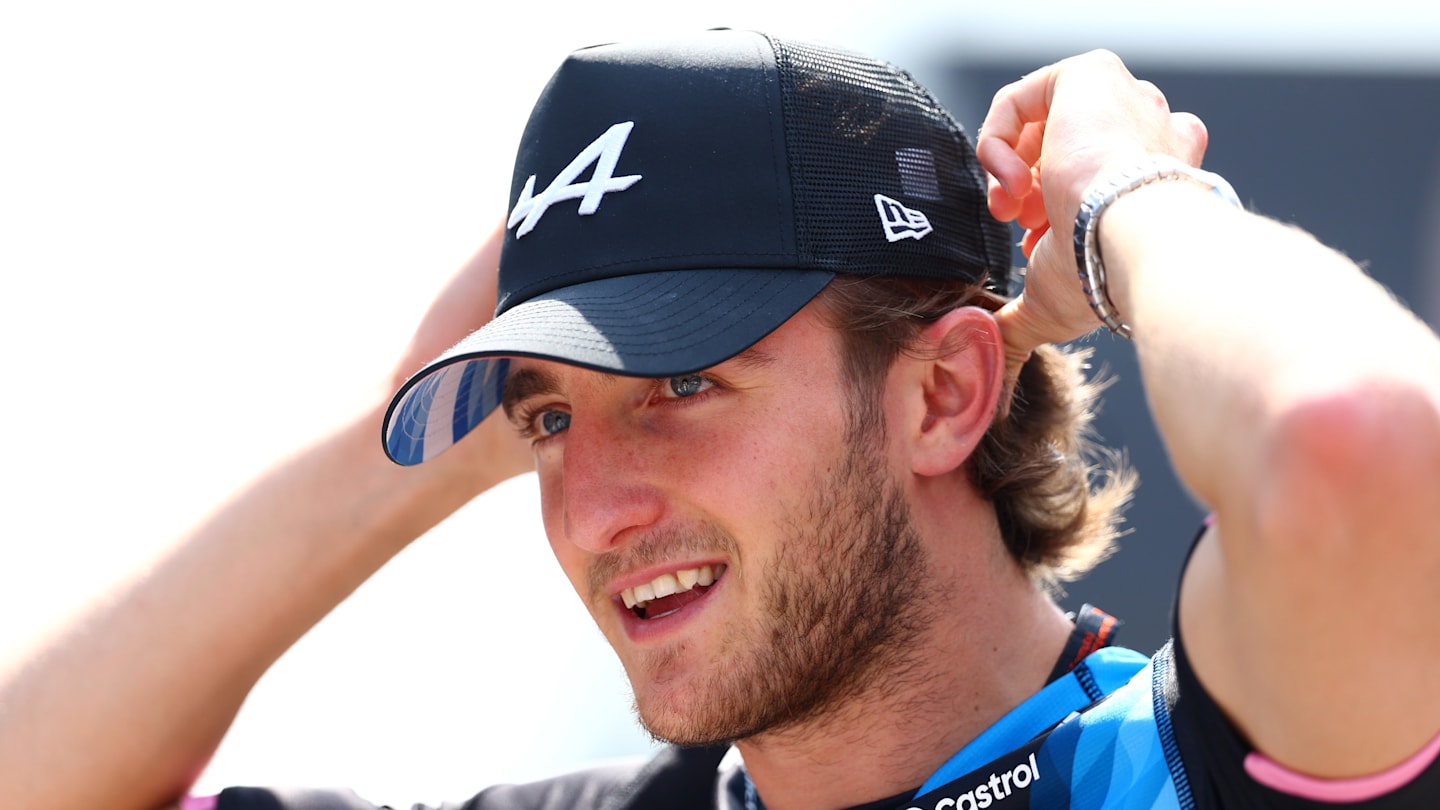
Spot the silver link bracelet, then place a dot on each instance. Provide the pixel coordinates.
(1099, 196)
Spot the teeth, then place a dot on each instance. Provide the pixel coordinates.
(664, 585)
(669, 584)
(644, 593)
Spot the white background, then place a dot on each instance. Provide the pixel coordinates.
(218, 224)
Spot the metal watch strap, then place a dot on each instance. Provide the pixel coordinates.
(1099, 196)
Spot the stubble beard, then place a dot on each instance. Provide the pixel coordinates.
(844, 603)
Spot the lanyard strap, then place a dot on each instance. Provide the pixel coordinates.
(978, 773)
(1094, 628)
(1069, 689)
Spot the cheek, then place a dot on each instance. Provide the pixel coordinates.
(758, 471)
(573, 564)
(742, 450)
(552, 501)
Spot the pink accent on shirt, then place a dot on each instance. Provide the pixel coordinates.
(199, 802)
(1273, 775)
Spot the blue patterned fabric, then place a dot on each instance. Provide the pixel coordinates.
(434, 413)
(1117, 751)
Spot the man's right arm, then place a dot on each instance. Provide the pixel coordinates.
(123, 708)
(1298, 400)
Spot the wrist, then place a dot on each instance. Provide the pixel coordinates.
(1109, 188)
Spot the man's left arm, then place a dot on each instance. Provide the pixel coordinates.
(1302, 405)
(1297, 399)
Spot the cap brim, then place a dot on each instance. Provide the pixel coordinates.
(647, 325)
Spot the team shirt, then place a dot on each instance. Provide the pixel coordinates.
(1112, 730)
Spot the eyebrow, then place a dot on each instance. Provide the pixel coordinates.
(522, 384)
(752, 358)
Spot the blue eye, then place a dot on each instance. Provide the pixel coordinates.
(689, 385)
(552, 422)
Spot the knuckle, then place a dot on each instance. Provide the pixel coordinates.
(1007, 91)
(1105, 57)
(1153, 94)
(1106, 62)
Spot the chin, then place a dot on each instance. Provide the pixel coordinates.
(679, 711)
(682, 729)
(668, 712)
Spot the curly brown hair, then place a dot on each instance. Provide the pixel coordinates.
(1058, 494)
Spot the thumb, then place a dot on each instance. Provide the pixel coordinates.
(1021, 335)
(1022, 332)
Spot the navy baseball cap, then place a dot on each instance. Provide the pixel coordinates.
(675, 201)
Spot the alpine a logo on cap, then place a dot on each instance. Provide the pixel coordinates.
(604, 152)
(900, 222)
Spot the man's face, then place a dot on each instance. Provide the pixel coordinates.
(738, 536)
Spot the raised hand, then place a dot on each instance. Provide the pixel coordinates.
(466, 303)
(1046, 139)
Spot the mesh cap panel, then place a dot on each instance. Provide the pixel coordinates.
(857, 127)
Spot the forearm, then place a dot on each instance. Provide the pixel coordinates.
(124, 707)
(1301, 403)
(1245, 327)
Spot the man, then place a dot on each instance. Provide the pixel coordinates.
(813, 471)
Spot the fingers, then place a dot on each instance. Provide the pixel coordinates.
(1013, 132)
(1049, 135)
(1010, 175)
(1018, 105)
(1021, 334)
(1045, 141)
(1032, 215)
(1032, 239)
(1191, 137)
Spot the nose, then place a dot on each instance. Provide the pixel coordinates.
(608, 484)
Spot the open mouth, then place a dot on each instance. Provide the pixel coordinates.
(668, 593)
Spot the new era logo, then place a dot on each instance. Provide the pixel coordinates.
(901, 222)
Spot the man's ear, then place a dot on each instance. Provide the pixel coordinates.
(953, 382)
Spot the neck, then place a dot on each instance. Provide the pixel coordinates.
(994, 641)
